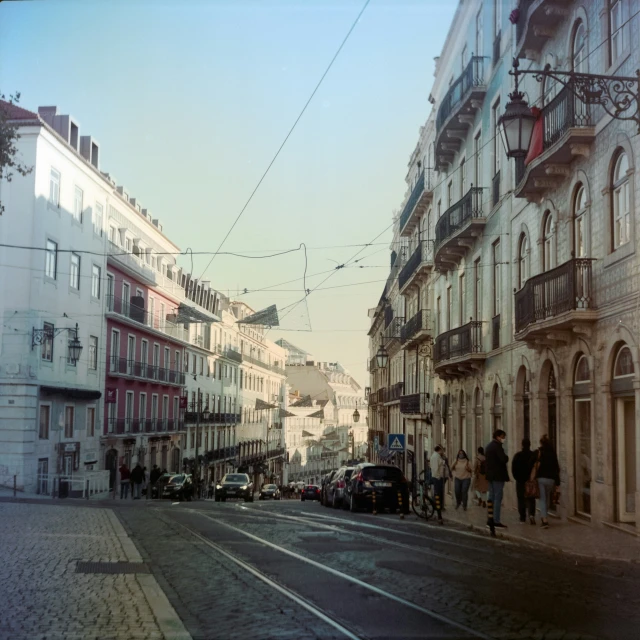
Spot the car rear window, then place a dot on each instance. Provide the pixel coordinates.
(311, 488)
(348, 473)
(382, 473)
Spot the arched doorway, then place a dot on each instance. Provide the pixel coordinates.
(582, 435)
(477, 404)
(523, 400)
(624, 409)
(111, 465)
(496, 407)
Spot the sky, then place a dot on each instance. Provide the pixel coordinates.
(190, 101)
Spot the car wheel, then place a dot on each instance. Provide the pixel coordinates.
(335, 504)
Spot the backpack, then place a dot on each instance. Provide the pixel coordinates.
(483, 467)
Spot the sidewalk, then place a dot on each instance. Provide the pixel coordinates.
(569, 536)
(76, 574)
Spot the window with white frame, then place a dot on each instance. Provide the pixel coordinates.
(54, 188)
(91, 422)
(548, 243)
(98, 217)
(579, 49)
(78, 204)
(74, 272)
(93, 353)
(617, 29)
(69, 421)
(620, 205)
(580, 222)
(497, 281)
(95, 281)
(495, 111)
(477, 156)
(51, 260)
(46, 348)
(44, 422)
(479, 33)
(523, 260)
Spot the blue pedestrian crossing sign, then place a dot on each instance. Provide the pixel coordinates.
(396, 442)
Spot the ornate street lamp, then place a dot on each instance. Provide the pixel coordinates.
(619, 96)
(38, 336)
(356, 414)
(382, 357)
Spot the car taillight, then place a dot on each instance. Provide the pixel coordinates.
(359, 477)
(317, 490)
(341, 484)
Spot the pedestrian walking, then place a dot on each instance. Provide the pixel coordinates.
(497, 475)
(462, 472)
(145, 481)
(438, 476)
(547, 472)
(154, 477)
(125, 479)
(480, 482)
(521, 467)
(137, 478)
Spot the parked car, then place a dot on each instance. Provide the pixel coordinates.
(269, 491)
(178, 487)
(310, 492)
(385, 481)
(334, 491)
(235, 485)
(156, 489)
(323, 486)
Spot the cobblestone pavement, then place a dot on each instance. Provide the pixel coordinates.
(493, 586)
(42, 595)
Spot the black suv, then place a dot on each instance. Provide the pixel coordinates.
(235, 485)
(178, 487)
(385, 481)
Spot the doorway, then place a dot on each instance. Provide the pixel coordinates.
(625, 409)
(111, 465)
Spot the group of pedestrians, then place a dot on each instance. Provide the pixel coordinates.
(138, 479)
(537, 476)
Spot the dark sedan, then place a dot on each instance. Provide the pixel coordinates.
(269, 492)
(178, 487)
(235, 485)
(310, 492)
(378, 487)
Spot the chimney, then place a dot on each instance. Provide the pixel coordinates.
(64, 126)
(89, 150)
(156, 223)
(47, 114)
(109, 177)
(122, 192)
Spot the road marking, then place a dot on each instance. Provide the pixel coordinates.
(344, 576)
(272, 583)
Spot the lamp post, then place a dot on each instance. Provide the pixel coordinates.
(38, 336)
(619, 96)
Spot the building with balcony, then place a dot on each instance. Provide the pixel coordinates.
(532, 294)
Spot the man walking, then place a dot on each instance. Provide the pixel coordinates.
(153, 477)
(438, 475)
(125, 476)
(137, 478)
(521, 467)
(497, 475)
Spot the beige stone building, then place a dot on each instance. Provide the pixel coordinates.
(525, 273)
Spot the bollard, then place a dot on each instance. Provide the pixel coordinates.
(490, 521)
(438, 508)
(400, 505)
(15, 482)
(374, 503)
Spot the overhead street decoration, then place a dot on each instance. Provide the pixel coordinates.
(317, 414)
(283, 413)
(261, 405)
(267, 317)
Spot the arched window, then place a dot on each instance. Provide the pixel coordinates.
(497, 406)
(579, 49)
(548, 243)
(623, 366)
(523, 260)
(580, 222)
(620, 205)
(582, 373)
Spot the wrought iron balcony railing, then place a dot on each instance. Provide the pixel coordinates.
(419, 322)
(422, 254)
(561, 114)
(393, 393)
(456, 216)
(125, 367)
(423, 184)
(414, 403)
(472, 76)
(458, 342)
(568, 287)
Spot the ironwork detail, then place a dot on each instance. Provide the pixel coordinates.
(472, 76)
(422, 253)
(267, 317)
(458, 342)
(456, 216)
(419, 322)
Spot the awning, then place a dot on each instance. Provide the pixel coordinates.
(261, 405)
(283, 413)
(71, 392)
(191, 315)
(306, 434)
(317, 414)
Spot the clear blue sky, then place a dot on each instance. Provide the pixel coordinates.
(190, 100)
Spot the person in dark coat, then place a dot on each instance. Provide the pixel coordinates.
(137, 478)
(548, 475)
(521, 467)
(497, 475)
(125, 479)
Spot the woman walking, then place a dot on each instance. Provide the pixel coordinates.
(547, 472)
(462, 472)
(480, 482)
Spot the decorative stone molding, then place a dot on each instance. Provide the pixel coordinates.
(580, 150)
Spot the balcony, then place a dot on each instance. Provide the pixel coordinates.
(392, 333)
(136, 426)
(459, 352)
(419, 199)
(457, 229)
(123, 367)
(555, 302)
(567, 132)
(457, 111)
(131, 264)
(538, 21)
(418, 267)
(417, 329)
(373, 364)
(393, 393)
(373, 398)
(415, 404)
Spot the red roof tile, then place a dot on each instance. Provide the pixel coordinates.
(14, 112)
